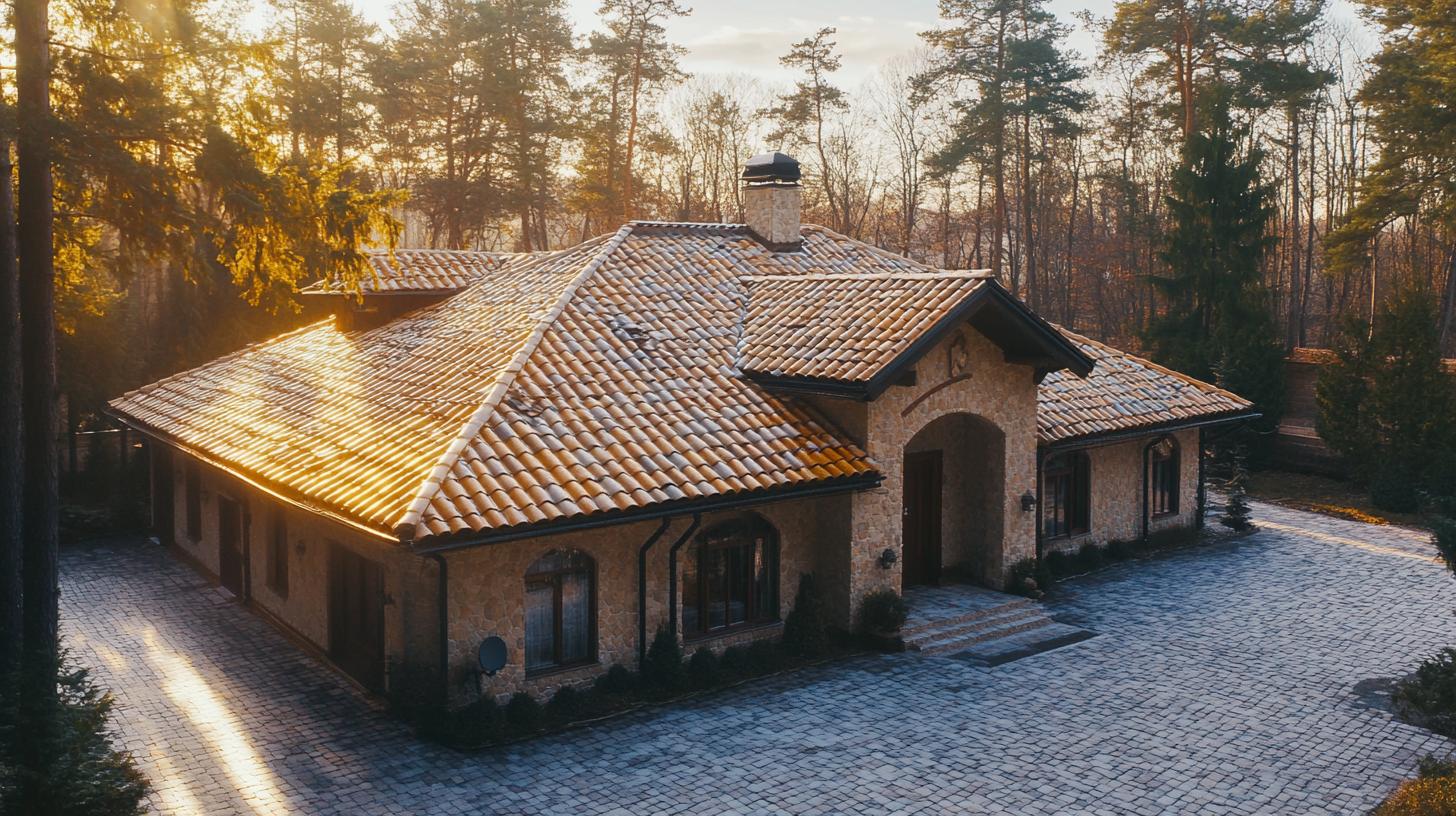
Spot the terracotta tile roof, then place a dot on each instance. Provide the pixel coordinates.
(843, 327)
(430, 270)
(1123, 393)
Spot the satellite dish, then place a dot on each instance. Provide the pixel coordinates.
(492, 655)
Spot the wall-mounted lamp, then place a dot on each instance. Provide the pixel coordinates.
(1028, 501)
(888, 558)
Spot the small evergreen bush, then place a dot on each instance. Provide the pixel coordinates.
(523, 714)
(764, 656)
(1443, 535)
(1236, 512)
(703, 671)
(1022, 578)
(805, 632)
(882, 612)
(1119, 550)
(1058, 564)
(1090, 557)
(664, 666)
(734, 662)
(1429, 695)
(617, 681)
(566, 705)
(1431, 793)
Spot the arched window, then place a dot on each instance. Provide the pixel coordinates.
(1066, 494)
(1163, 477)
(560, 610)
(732, 577)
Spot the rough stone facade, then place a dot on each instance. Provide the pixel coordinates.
(1116, 488)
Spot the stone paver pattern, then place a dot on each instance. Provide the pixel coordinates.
(1238, 677)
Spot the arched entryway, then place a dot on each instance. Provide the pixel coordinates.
(953, 478)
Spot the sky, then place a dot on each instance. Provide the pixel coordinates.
(748, 36)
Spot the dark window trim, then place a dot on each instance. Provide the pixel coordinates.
(1164, 492)
(1077, 467)
(721, 537)
(552, 578)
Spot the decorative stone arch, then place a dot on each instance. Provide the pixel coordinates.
(954, 488)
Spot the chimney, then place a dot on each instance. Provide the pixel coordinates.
(771, 200)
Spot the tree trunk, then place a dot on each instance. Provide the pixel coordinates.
(10, 436)
(1293, 329)
(38, 351)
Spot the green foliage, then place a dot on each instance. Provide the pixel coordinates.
(1090, 557)
(566, 705)
(523, 714)
(77, 772)
(1443, 535)
(1429, 695)
(703, 669)
(664, 665)
(1025, 578)
(1385, 404)
(806, 633)
(1119, 550)
(764, 657)
(734, 662)
(617, 681)
(1059, 564)
(1236, 512)
(479, 723)
(1217, 321)
(882, 612)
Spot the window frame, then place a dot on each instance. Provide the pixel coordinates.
(1164, 477)
(552, 578)
(192, 500)
(278, 566)
(1076, 468)
(745, 533)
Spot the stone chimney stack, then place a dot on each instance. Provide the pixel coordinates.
(772, 199)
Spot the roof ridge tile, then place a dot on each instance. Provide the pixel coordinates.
(408, 524)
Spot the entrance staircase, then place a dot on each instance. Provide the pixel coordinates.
(981, 626)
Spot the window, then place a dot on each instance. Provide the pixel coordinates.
(1066, 495)
(560, 610)
(278, 555)
(732, 578)
(1163, 477)
(194, 502)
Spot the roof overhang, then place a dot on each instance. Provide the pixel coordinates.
(1022, 335)
(1151, 429)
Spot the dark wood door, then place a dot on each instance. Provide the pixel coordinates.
(356, 616)
(921, 516)
(230, 544)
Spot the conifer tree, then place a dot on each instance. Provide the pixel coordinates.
(1236, 510)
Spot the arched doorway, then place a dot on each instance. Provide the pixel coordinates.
(953, 478)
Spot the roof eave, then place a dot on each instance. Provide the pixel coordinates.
(1167, 426)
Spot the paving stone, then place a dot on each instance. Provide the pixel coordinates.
(1227, 678)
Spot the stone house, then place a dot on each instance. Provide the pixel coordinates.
(664, 427)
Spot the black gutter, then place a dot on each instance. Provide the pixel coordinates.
(1040, 460)
(442, 593)
(672, 572)
(642, 588)
(1109, 437)
(676, 508)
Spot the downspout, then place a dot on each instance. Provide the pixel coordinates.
(642, 588)
(442, 597)
(1040, 459)
(1202, 489)
(1147, 449)
(672, 572)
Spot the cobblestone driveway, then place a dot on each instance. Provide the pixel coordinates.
(1226, 679)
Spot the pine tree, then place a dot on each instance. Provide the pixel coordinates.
(1236, 511)
(1341, 394)
(1217, 321)
(1410, 400)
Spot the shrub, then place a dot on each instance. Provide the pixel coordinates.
(566, 705)
(1431, 793)
(1429, 695)
(734, 662)
(805, 632)
(703, 671)
(1058, 564)
(618, 680)
(523, 714)
(414, 690)
(664, 666)
(764, 656)
(1119, 550)
(1444, 537)
(882, 612)
(1090, 557)
(476, 724)
(1022, 578)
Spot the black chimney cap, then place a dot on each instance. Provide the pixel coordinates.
(772, 167)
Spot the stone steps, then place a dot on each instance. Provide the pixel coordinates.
(987, 628)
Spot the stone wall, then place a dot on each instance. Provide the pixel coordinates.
(1116, 487)
(487, 589)
(410, 610)
(963, 374)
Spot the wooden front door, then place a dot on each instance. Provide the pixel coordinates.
(921, 517)
(356, 616)
(230, 545)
